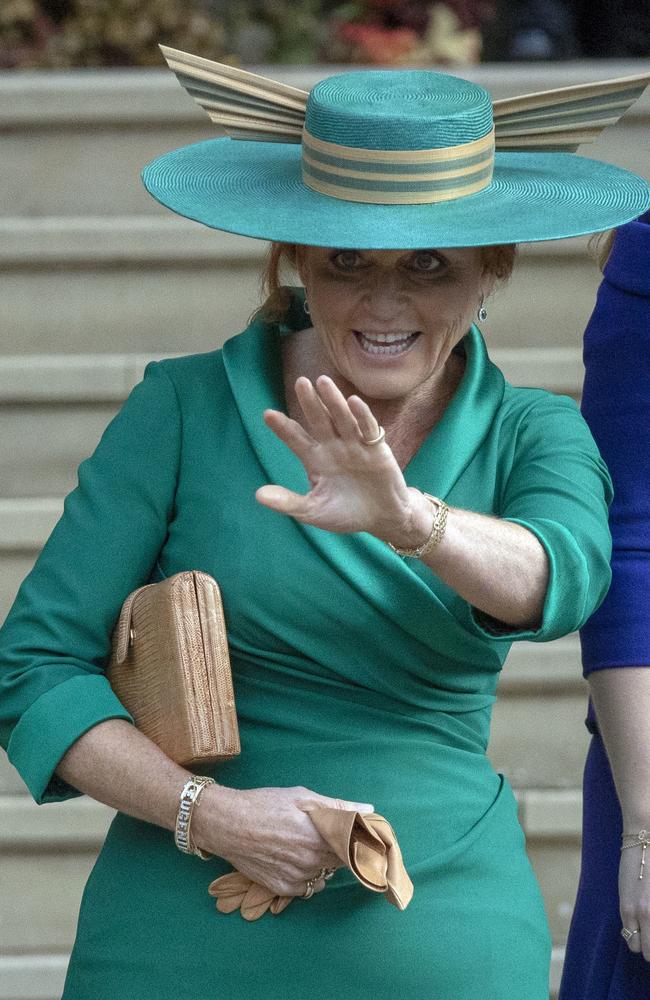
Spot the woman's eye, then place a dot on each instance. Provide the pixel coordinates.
(427, 262)
(345, 259)
(424, 262)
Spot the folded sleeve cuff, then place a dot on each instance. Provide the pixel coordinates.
(492, 628)
(49, 727)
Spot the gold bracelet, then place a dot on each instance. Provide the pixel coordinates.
(437, 529)
(189, 797)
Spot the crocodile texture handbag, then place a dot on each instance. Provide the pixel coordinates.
(170, 668)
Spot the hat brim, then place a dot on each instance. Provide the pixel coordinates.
(255, 189)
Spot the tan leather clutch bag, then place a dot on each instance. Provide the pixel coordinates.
(170, 668)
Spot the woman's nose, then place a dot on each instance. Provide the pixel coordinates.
(384, 293)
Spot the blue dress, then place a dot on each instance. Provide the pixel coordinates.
(616, 402)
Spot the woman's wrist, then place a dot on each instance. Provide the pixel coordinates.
(189, 797)
(210, 817)
(416, 525)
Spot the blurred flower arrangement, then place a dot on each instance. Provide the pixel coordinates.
(277, 31)
(25, 31)
(409, 33)
(104, 33)
(59, 34)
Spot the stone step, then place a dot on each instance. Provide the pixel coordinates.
(49, 921)
(32, 976)
(138, 96)
(155, 307)
(90, 240)
(137, 239)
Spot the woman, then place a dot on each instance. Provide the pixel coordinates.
(608, 948)
(290, 465)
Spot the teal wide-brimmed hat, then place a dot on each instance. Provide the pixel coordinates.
(395, 159)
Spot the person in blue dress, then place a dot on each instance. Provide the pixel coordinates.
(608, 947)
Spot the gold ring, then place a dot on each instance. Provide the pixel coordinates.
(376, 440)
(310, 888)
(325, 873)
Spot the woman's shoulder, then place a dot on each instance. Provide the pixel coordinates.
(551, 425)
(192, 362)
(191, 371)
(535, 403)
(536, 421)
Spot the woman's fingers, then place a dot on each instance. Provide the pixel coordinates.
(634, 943)
(283, 500)
(289, 431)
(633, 920)
(339, 467)
(329, 413)
(634, 897)
(340, 413)
(639, 942)
(316, 413)
(366, 420)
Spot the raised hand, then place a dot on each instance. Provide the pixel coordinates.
(354, 486)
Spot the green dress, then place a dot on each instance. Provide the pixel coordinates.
(357, 673)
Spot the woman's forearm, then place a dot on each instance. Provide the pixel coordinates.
(118, 765)
(496, 565)
(621, 698)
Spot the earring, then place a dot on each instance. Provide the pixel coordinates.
(306, 307)
(482, 312)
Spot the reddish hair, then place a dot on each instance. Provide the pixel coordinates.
(600, 246)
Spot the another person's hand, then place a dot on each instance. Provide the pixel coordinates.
(634, 899)
(354, 486)
(266, 834)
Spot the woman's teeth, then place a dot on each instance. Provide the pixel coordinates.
(386, 343)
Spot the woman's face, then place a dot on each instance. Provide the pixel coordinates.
(389, 319)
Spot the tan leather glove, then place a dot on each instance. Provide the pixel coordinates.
(365, 843)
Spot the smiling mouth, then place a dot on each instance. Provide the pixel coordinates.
(386, 344)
